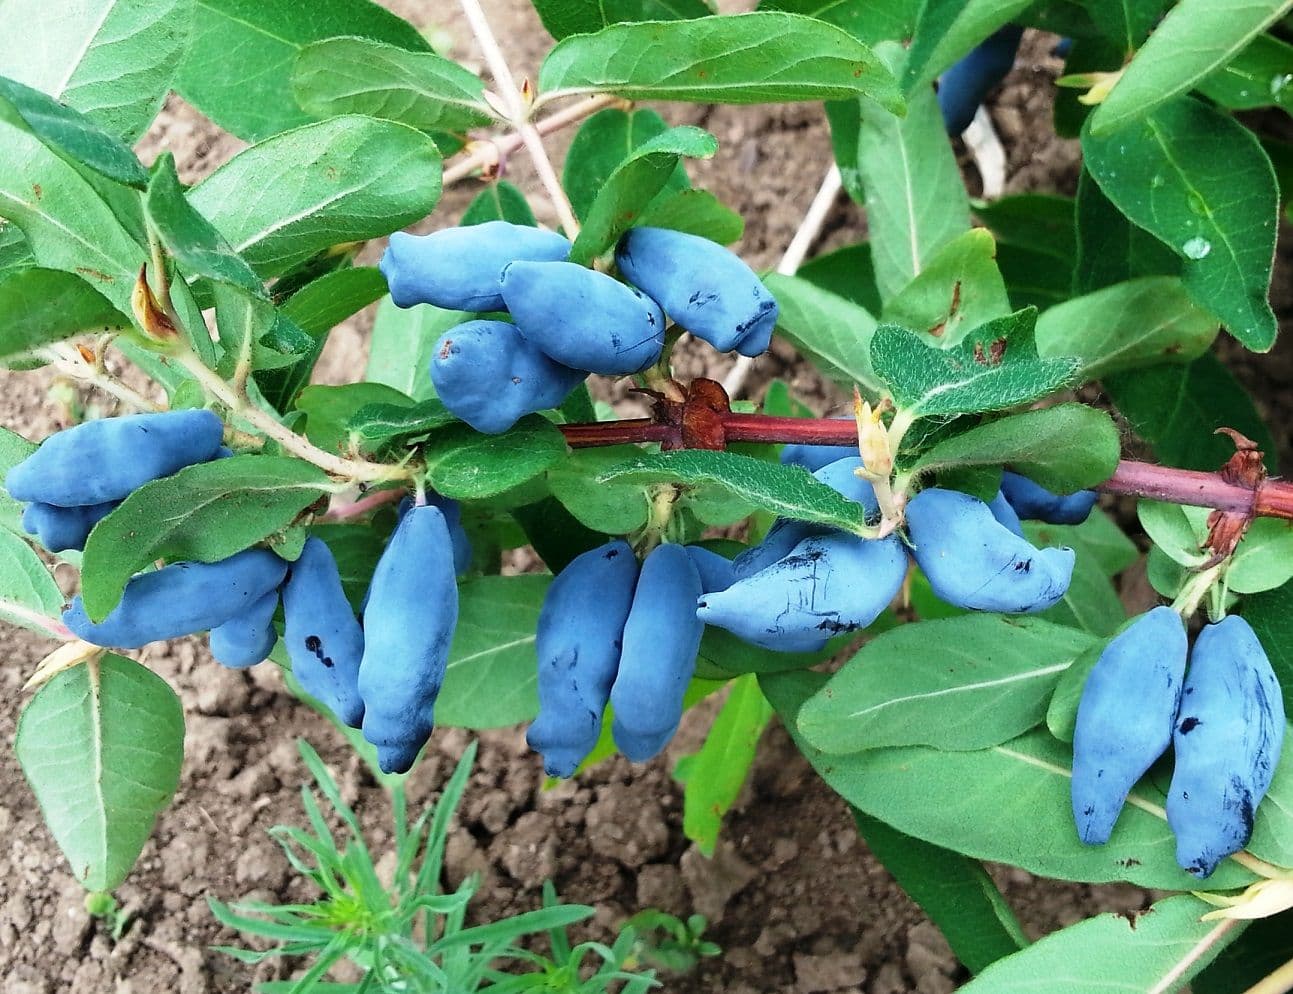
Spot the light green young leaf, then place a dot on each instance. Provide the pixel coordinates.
(960, 683)
(341, 180)
(1264, 559)
(765, 57)
(41, 306)
(403, 341)
(101, 745)
(29, 597)
(1200, 182)
(466, 465)
(834, 332)
(788, 491)
(113, 60)
(360, 76)
(268, 35)
(903, 171)
(1176, 529)
(492, 673)
(1194, 39)
(1128, 325)
(614, 509)
(959, 289)
(713, 777)
(634, 184)
(203, 513)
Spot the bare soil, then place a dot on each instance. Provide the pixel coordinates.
(796, 901)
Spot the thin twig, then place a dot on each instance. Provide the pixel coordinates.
(1279, 982)
(793, 258)
(67, 360)
(520, 114)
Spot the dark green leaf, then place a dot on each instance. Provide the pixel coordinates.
(73, 135)
(500, 201)
(328, 409)
(1193, 40)
(360, 76)
(601, 144)
(961, 683)
(789, 491)
(112, 61)
(1042, 222)
(1201, 183)
(995, 367)
(1064, 448)
(1264, 947)
(569, 17)
(847, 273)
(101, 745)
(377, 424)
(1177, 409)
(739, 59)
(1061, 714)
(1259, 76)
(955, 892)
(557, 536)
(1110, 248)
(464, 464)
(1271, 615)
(948, 29)
(834, 332)
(1091, 601)
(634, 184)
(268, 35)
(47, 305)
(356, 548)
(1126, 23)
(349, 178)
(203, 513)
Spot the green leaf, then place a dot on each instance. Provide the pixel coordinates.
(634, 184)
(1010, 804)
(1110, 248)
(554, 532)
(955, 892)
(1264, 946)
(67, 224)
(242, 319)
(1036, 237)
(101, 745)
(356, 548)
(403, 342)
(491, 679)
(1256, 77)
(1178, 530)
(14, 252)
(1061, 714)
(499, 201)
(268, 36)
(871, 21)
(360, 76)
(1157, 950)
(73, 135)
(1064, 448)
(466, 465)
(601, 144)
(328, 410)
(847, 272)
(1200, 182)
(1271, 615)
(1091, 601)
(41, 306)
(1264, 559)
(112, 60)
(569, 17)
(1177, 409)
(995, 367)
(612, 508)
(903, 171)
(1097, 538)
(789, 491)
(342, 180)
(947, 30)
(13, 450)
(1192, 41)
(713, 776)
(203, 513)
(377, 424)
(833, 332)
(1126, 23)
(1126, 326)
(697, 212)
(29, 597)
(960, 683)
(738, 59)
(959, 289)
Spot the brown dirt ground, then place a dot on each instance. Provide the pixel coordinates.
(797, 902)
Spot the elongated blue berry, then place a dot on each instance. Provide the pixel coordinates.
(1228, 737)
(578, 641)
(661, 639)
(324, 641)
(964, 86)
(246, 638)
(1005, 514)
(105, 460)
(409, 622)
(717, 572)
(180, 599)
(1034, 502)
(584, 319)
(828, 584)
(701, 285)
(490, 376)
(973, 561)
(1125, 718)
(459, 268)
(63, 528)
